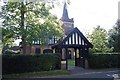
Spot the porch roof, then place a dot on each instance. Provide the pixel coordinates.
(73, 40)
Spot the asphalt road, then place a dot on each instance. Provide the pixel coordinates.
(105, 75)
(108, 74)
(100, 75)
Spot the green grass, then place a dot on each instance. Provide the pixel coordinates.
(71, 62)
(38, 74)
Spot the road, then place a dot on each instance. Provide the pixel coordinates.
(108, 74)
(82, 74)
(112, 75)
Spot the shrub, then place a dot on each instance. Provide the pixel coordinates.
(104, 61)
(29, 63)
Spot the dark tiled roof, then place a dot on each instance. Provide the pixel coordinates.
(66, 39)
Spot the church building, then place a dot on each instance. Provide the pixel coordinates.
(68, 24)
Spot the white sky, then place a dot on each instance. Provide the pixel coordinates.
(90, 13)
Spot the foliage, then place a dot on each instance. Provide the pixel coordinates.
(29, 21)
(114, 37)
(7, 36)
(104, 61)
(29, 63)
(99, 40)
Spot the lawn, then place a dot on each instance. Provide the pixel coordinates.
(38, 74)
(71, 62)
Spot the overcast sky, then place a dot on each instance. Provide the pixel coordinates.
(90, 13)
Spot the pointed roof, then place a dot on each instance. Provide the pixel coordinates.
(78, 40)
(65, 13)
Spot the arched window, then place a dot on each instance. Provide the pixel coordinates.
(47, 51)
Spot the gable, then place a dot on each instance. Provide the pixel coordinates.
(75, 38)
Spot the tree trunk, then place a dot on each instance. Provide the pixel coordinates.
(23, 31)
(23, 45)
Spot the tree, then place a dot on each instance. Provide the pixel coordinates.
(23, 20)
(114, 37)
(99, 40)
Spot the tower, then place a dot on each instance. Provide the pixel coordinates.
(68, 24)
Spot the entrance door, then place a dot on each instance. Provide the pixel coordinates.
(37, 51)
(80, 56)
(83, 56)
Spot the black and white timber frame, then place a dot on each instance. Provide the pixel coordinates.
(75, 39)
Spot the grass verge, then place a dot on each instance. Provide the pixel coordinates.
(38, 74)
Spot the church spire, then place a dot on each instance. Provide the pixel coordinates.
(65, 13)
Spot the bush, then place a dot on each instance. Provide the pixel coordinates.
(104, 61)
(29, 63)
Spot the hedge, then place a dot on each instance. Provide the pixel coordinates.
(104, 61)
(29, 63)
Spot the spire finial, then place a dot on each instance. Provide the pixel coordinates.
(65, 12)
